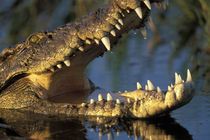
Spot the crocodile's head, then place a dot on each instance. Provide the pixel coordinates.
(54, 62)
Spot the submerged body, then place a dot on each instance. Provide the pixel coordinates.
(48, 64)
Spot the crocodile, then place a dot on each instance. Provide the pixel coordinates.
(52, 63)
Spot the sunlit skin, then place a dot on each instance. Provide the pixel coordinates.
(52, 64)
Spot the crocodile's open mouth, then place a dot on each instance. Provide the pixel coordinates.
(49, 64)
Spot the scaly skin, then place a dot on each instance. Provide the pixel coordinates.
(48, 64)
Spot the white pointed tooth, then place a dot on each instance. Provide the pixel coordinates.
(118, 132)
(113, 33)
(81, 49)
(143, 32)
(128, 100)
(128, 11)
(88, 41)
(83, 104)
(67, 63)
(117, 101)
(125, 91)
(147, 3)
(172, 85)
(180, 79)
(118, 26)
(52, 69)
(159, 90)
(139, 12)
(109, 97)
(120, 21)
(59, 66)
(100, 97)
(189, 77)
(176, 78)
(122, 15)
(150, 85)
(146, 87)
(136, 99)
(169, 88)
(138, 85)
(97, 41)
(106, 42)
(92, 101)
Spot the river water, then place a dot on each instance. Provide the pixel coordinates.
(133, 59)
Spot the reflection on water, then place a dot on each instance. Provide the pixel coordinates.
(172, 45)
(35, 126)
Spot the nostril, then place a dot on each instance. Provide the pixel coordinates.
(50, 36)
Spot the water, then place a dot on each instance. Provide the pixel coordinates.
(134, 59)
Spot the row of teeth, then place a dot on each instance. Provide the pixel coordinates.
(106, 41)
(138, 10)
(59, 66)
(148, 87)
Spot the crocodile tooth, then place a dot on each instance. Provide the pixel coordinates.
(143, 32)
(52, 69)
(128, 100)
(176, 78)
(128, 11)
(97, 41)
(118, 26)
(189, 77)
(169, 88)
(172, 85)
(180, 79)
(139, 12)
(113, 33)
(146, 87)
(159, 90)
(92, 101)
(106, 42)
(109, 97)
(100, 97)
(81, 49)
(136, 99)
(150, 85)
(83, 104)
(120, 21)
(118, 132)
(138, 85)
(147, 3)
(67, 63)
(87, 41)
(122, 15)
(59, 66)
(117, 101)
(109, 136)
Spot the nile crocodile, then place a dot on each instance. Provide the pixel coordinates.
(52, 63)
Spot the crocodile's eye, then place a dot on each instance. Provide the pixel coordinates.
(34, 39)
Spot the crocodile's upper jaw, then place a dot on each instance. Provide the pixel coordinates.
(71, 78)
